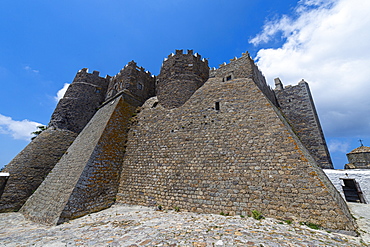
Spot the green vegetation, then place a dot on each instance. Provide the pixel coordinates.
(311, 225)
(41, 128)
(257, 215)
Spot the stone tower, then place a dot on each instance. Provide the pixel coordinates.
(297, 104)
(181, 75)
(132, 80)
(80, 102)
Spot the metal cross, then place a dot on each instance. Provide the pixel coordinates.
(361, 142)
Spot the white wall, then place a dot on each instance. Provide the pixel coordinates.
(362, 177)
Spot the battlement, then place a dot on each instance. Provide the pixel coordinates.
(132, 64)
(180, 53)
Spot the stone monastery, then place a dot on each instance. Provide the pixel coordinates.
(208, 141)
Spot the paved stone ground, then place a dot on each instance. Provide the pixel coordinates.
(123, 225)
(361, 212)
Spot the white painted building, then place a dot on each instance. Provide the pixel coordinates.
(360, 176)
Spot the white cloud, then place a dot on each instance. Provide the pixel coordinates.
(17, 129)
(61, 92)
(339, 146)
(28, 68)
(326, 43)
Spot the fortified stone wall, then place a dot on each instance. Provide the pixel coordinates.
(242, 157)
(181, 75)
(80, 102)
(30, 167)
(133, 80)
(244, 67)
(86, 179)
(298, 107)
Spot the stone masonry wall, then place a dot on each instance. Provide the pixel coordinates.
(241, 157)
(134, 80)
(181, 75)
(358, 161)
(30, 167)
(80, 102)
(297, 105)
(244, 67)
(86, 179)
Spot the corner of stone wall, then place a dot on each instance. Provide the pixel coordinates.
(30, 167)
(86, 178)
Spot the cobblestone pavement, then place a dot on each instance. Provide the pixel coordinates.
(123, 225)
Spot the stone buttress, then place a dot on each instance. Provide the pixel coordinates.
(86, 178)
(30, 167)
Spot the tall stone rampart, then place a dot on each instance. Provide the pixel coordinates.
(31, 166)
(86, 179)
(297, 104)
(80, 102)
(181, 75)
(227, 149)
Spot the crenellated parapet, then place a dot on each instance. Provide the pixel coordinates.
(132, 80)
(181, 75)
(244, 67)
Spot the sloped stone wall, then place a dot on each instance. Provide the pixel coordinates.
(298, 107)
(86, 179)
(239, 158)
(30, 167)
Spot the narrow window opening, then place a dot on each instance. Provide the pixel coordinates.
(352, 191)
(155, 104)
(228, 78)
(217, 106)
(139, 86)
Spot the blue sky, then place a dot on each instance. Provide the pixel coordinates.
(44, 43)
